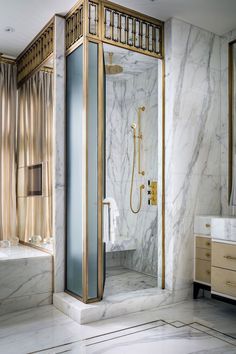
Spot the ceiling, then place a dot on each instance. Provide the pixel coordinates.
(27, 17)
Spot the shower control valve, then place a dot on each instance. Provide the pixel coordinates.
(152, 192)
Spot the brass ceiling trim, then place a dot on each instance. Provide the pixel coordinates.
(125, 28)
(4, 60)
(36, 53)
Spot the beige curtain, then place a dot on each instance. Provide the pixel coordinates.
(35, 147)
(8, 96)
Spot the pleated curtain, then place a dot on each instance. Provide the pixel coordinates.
(35, 109)
(8, 97)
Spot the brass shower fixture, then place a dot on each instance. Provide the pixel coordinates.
(138, 138)
(113, 69)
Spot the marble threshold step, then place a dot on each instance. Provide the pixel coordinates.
(113, 305)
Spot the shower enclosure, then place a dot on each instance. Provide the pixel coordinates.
(131, 165)
(113, 78)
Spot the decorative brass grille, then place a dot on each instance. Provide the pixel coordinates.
(74, 26)
(36, 53)
(93, 18)
(132, 31)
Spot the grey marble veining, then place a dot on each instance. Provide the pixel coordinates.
(193, 141)
(223, 228)
(26, 278)
(123, 280)
(59, 154)
(124, 96)
(203, 315)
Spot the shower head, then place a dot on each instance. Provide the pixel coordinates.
(133, 126)
(113, 69)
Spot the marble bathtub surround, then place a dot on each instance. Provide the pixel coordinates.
(26, 278)
(136, 86)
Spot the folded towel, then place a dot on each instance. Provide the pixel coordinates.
(111, 214)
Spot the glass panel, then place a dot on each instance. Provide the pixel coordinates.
(130, 31)
(157, 40)
(123, 29)
(108, 24)
(74, 108)
(92, 142)
(137, 33)
(150, 37)
(116, 27)
(144, 36)
(92, 19)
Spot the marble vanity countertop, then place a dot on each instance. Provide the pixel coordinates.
(20, 251)
(202, 224)
(223, 228)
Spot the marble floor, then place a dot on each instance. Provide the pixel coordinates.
(201, 326)
(123, 280)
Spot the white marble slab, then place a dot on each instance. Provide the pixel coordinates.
(111, 306)
(26, 278)
(59, 153)
(121, 244)
(37, 324)
(138, 86)
(223, 228)
(193, 127)
(20, 251)
(202, 224)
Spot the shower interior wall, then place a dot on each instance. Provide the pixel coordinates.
(124, 94)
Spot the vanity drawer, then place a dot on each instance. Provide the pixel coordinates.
(223, 281)
(203, 253)
(203, 242)
(224, 255)
(203, 271)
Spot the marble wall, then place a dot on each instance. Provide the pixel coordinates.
(226, 209)
(193, 142)
(124, 96)
(59, 154)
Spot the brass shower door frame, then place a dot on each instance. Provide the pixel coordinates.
(98, 37)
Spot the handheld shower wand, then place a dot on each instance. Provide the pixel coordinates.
(141, 187)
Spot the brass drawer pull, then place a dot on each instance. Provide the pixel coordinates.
(208, 225)
(208, 255)
(230, 283)
(230, 258)
(208, 243)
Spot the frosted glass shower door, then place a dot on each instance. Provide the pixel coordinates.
(84, 273)
(74, 119)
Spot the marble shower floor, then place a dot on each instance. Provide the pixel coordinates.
(123, 280)
(200, 326)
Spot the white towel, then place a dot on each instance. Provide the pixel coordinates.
(111, 214)
(233, 191)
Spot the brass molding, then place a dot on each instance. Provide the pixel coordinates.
(36, 53)
(6, 60)
(116, 25)
(231, 89)
(74, 25)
